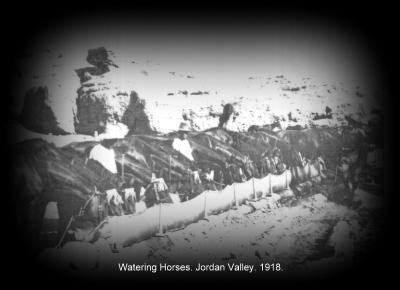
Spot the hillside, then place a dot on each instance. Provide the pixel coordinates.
(115, 93)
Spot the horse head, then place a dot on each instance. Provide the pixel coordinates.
(212, 176)
(83, 229)
(238, 172)
(95, 208)
(92, 214)
(130, 200)
(115, 202)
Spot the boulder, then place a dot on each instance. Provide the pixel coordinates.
(102, 105)
(135, 117)
(37, 115)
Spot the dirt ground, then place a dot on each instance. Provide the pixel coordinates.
(299, 232)
(309, 230)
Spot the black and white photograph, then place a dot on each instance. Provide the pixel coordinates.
(197, 144)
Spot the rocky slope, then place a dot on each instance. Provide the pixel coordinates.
(99, 90)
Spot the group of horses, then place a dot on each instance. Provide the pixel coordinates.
(86, 193)
(204, 176)
(133, 197)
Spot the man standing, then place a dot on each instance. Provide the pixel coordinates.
(101, 157)
(105, 155)
(181, 144)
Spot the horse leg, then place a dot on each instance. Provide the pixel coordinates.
(66, 209)
(112, 208)
(38, 208)
(349, 187)
(131, 205)
(103, 209)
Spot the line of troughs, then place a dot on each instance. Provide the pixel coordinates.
(123, 231)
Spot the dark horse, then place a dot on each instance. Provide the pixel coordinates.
(250, 168)
(234, 171)
(91, 213)
(43, 174)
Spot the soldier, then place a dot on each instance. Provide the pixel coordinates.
(105, 155)
(226, 114)
(349, 168)
(181, 144)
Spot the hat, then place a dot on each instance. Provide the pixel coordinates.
(184, 127)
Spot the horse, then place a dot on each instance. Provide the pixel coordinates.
(43, 173)
(233, 171)
(271, 162)
(156, 192)
(205, 176)
(219, 180)
(81, 217)
(147, 197)
(115, 202)
(349, 168)
(305, 141)
(308, 169)
(190, 185)
(249, 168)
(211, 175)
(36, 183)
(91, 214)
(134, 200)
(262, 167)
(130, 200)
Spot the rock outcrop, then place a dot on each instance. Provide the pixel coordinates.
(100, 104)
(36, 114)
(128, 94)
(135, 117)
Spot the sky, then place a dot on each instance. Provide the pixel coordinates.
(226, 50)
